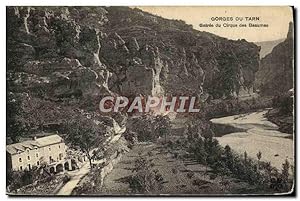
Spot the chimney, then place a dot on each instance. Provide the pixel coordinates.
(34, 137)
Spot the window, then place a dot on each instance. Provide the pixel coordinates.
(28, 151)
(59, 146)
(20, 160)
(38, 163)
(21, 168)
(61, 156)
(28, 157)
(49, 148)
(37, 155)
(29, 166)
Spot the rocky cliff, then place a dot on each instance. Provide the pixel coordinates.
(66, 58)
(267, 46)
(177, 58)
(275, 74)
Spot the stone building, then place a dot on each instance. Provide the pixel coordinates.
(49, 150)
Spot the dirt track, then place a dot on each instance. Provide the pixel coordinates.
(75, 178)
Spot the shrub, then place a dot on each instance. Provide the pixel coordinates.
(190, 175)
(17, 179)
(149, 128)
(224, 161)
(146, 179)
(66, 178)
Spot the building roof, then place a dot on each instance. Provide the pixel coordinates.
(51, 139)
(32, 144)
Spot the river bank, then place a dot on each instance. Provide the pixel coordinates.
(252, 133)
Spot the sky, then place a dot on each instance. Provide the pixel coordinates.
(277, 19)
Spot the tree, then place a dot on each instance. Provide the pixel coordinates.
(15, 121)
(259, 155)
(285, 174)
(219, 167)
(245, 157)
(162, 126)
(85, 134)
(213, 149)
(200, 154)
(228, 157)
(145, 179)
(38, 112)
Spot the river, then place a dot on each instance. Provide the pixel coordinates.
(253, 133)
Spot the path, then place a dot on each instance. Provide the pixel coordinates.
(76, 175)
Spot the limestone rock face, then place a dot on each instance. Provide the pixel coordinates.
(129, 52)
(49, 42)
(276, 69)
(73, 56)
(184, 61)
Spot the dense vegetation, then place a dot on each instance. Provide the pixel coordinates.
(224, 161)
(228, 107)
(282, 113)
(149, 128)
(34, 181)
(145, 178)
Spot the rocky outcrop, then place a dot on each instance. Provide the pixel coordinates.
(275, 75)
(183, 60)
(48, 42)
(267, 46)
(73, 56)
(126, 51)
(285, 122)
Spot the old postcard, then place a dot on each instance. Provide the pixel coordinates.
(177, 101)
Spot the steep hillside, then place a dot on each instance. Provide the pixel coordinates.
(62, 60)
(276, 69)
(182, 60)
(267, 46)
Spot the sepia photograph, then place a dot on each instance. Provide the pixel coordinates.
(150, 101)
